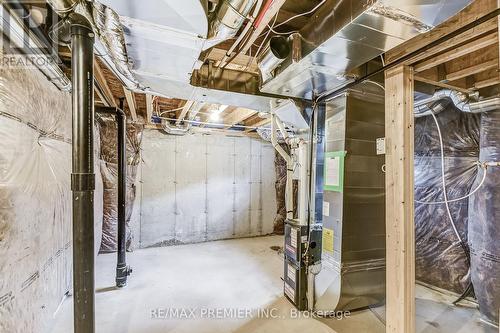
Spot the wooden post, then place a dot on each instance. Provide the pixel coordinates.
(400, 228)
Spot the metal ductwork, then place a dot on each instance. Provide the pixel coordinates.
(136, 37)
(168, 128)
(345, 34)
(276, 52)
(63, 6)
(438, 101)
(229, 18)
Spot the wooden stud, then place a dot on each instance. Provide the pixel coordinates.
(471, 70)
(129, 96)
(441, 84)
(238, 115)
(149, 108)
(184, 112)
(108, 97)
(400, 228)
(475, 10)
(241, 63)
(487, 83)
(258, 124)
(458, 52)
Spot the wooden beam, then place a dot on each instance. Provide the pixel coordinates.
(441, 84)
(238, 115)
(268, 16)
(129, 96)
(472, 70)
(103, 83)
(258, 124)
(149, 108)
(400, 228)
(184, 112)
(241, 63)
(471, 13)
(458, 52)
(487, 83)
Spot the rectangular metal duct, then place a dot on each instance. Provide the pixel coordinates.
(346, 34)
(353, 249)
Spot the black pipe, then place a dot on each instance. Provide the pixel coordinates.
(82, 177)
(407, 57)
(122, 270)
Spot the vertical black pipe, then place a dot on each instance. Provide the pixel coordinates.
(122, 271)
(82, 177)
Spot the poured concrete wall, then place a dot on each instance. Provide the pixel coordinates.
(197, 188)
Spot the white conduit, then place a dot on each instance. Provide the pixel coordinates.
(275, 122)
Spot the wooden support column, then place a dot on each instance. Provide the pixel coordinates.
(400, 228)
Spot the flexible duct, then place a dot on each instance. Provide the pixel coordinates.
(111, 43)
(460, 100)
(168, 128)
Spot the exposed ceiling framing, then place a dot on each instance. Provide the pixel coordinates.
(468, 62)
(139, 107)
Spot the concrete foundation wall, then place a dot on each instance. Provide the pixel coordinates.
(198, 188)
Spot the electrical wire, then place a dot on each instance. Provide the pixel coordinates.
(375, 83)
(172, 110)
(195, 122)
(443, 179)
(264, 40)
(301, 14)
(463, 245)
(457, 199)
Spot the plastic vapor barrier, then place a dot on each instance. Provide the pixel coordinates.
(35, 200)
(109, 173)
(484, 226)
(280, 185)
(440, 260)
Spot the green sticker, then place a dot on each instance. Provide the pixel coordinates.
(334, 171)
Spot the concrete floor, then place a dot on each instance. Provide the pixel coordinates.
(181, 288)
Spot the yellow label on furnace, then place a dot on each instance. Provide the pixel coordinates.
(328, 239)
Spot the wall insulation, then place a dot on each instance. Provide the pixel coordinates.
(484, 226)
(35, 200)
(109, 173)
(436, 242)
(440, 261)
(199, 188)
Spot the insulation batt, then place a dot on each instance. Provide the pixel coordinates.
(484, 222)
(109, 173)
(440, 260)
(35, 200)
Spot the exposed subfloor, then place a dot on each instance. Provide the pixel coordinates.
(241, 276)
